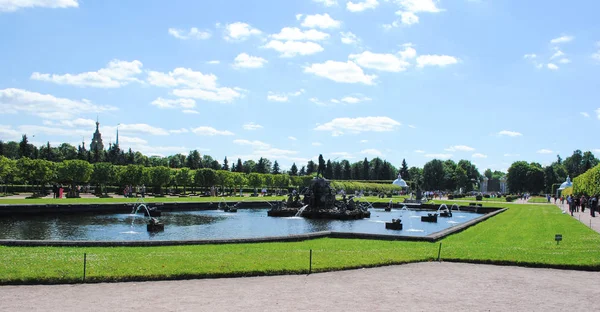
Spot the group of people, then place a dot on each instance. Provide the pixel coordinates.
(129, 191)
(581, 202)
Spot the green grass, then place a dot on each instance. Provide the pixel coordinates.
(522, 235)
(472, 199)
(541, 200)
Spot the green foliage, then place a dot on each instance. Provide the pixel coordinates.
(588, 183)
(103, 173)
(351, 187)
(184, 177)
(159, 177)
(567, 191)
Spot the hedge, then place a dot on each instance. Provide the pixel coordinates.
(351, 187)
(587, 183)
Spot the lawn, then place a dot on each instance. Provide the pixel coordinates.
(522, 235)
(542, 200)
(472, 199)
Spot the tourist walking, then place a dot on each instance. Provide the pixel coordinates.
(583, 202)
(593, 205)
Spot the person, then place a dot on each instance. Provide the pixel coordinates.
(583, 202)
(593, 205)
(576, 202)
(55, 190)
(570, 204)
(143, 190)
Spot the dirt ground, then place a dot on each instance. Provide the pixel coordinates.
(412, 287)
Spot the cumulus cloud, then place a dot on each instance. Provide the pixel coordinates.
(562, 39)
(439, 156)
(239, 31)
(243, 60)
(345, 72)
(327, 3)
(282, 97)
(349, 38)
(210, 131)
(14, 101)
(14, 5)
(436, 60)
(174, 103)
(255, 143)
(117, 74)
(372, 151)
(509, 133)
(338, 126)
(323, 21)
(296, 34)
(193, 33)
(252, 126)
(377, 61)
(361, 6)
(294, 48)
(460, 148)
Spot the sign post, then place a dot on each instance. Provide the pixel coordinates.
(558, 238)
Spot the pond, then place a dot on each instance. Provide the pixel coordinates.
(212, 224)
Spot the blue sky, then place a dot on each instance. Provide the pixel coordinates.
(490, 81)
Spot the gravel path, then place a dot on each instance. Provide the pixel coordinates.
(412, 287)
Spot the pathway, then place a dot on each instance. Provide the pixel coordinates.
(584, 217)
(426, 286)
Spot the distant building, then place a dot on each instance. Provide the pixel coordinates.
(97, 140)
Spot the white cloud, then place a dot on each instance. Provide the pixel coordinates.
(529, 56)
(556, 54)
(419, 151)
(323, 21)
(254, 144)
(360, 124)
(351, 99)
(282, 97)
(252, 126)
(193, 84)
(140, 127)
(545, 151)
(354, 100)
(214, 62)
(382, 62)
(436, 60)
(176, 103)
(239, 31)
(371, 151)
(460, 148)
(273, 97)
(294, 48)
(296, 34)
(349, 38)
(292, 138)
(193, 33)
(243, 60)
(563, 39)
(564, 61)
(327, 3)
(408, 18)
(584, 114)
(511, 155)
(345, 72)
(509, 133)
(116, 74)
(412, 126)
(417, 6)
(316, 144)
(598, 113)
(479, 155)
(408, 53)
(439, 156)
(210, 131)
(14, 5)
(14, 101)
(190, 111)
(179, 131)
(364, 141)
(552, 66)
(361, 6)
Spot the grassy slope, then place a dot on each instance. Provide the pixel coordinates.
(524, 234)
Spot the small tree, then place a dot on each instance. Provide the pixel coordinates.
(184, 177)
(239, 180)
(255, 180)
(75, 172)
(160, 176)
(103, 173)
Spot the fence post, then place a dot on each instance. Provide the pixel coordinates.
(310, 263)
(84, 265)
(439, 252)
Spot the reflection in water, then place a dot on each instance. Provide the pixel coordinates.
(211, 224)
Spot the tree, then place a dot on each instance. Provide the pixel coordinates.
(329, 170)
(449, 182)
(8, 168)
(249, 166)
(184, 177)
(255, 180)
(239, 180)
(337, 170)
(294, 170)
(488, 173)
(75, 172)
(404, 170)
(535, 178)
(416, 175)
(302, 171)
(224, 179)
(47, 153)
(365, 169)
(321, 167)
(433, 175)
(346, 170)
(239, 167)
(275, 168)
(311, 167)
(573, 164)
(160, 176)
(517, 176)
(67, 151)
(193, 160)
(263, 166)
(102, 174)
(131, 175)
(25, 149)
(225, 164)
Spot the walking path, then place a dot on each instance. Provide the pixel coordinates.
(429, 286)
(584, 217)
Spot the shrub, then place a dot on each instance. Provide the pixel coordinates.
(478, 197)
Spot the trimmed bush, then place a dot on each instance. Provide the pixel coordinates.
(587, 183)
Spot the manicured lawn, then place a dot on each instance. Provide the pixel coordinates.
(542, 200)
(472, 198)
(524, 234)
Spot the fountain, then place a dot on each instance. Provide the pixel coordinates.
(457, 207)
(390, 206)
(396, 224)
(223, 205)
(153, 224)
(319, 203)
(447, 213)
(430, 217)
